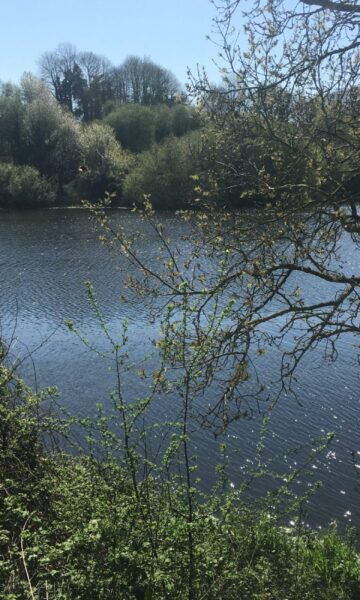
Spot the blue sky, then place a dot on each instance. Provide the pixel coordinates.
(170, 32)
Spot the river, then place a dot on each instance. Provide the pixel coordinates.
(45, 258)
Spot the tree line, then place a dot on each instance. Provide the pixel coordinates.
(76, 132)
(262, 134)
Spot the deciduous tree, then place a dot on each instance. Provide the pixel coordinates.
(288, 134)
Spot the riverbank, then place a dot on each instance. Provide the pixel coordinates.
(84, 527)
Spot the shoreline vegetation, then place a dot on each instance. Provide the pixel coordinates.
(97, 524)
(182, 151)
(67, 139)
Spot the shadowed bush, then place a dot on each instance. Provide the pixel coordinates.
(23, 187)
(165, 173)
(133, 125)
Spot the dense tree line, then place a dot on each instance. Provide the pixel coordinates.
(75, 133)
(264, 135)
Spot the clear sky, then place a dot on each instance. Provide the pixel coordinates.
(170, 32)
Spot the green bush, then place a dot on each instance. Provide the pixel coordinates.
(138, 127)
(11, 116)
(184, 119)
(77, 528)
(162, 122)
(23, 187)
(133, 125)
(104, 163)
(166, 173)
(110, 524)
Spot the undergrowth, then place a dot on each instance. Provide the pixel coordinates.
(77, 527)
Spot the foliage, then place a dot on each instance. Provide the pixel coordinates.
(40, 131)
(167, 172)
(40, 126)
(138, 127)
(284, 132)
(162, 122)
(184, 119)
(82, 527)
(289, 92)
(143, 82)
(23, 187)
(247, 166)
(50, 135)
(133, 125)
(11, 115)
(105, 163)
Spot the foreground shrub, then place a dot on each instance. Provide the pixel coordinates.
(81, 528)
(22, 186)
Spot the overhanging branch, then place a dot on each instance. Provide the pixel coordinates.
(334, 6)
